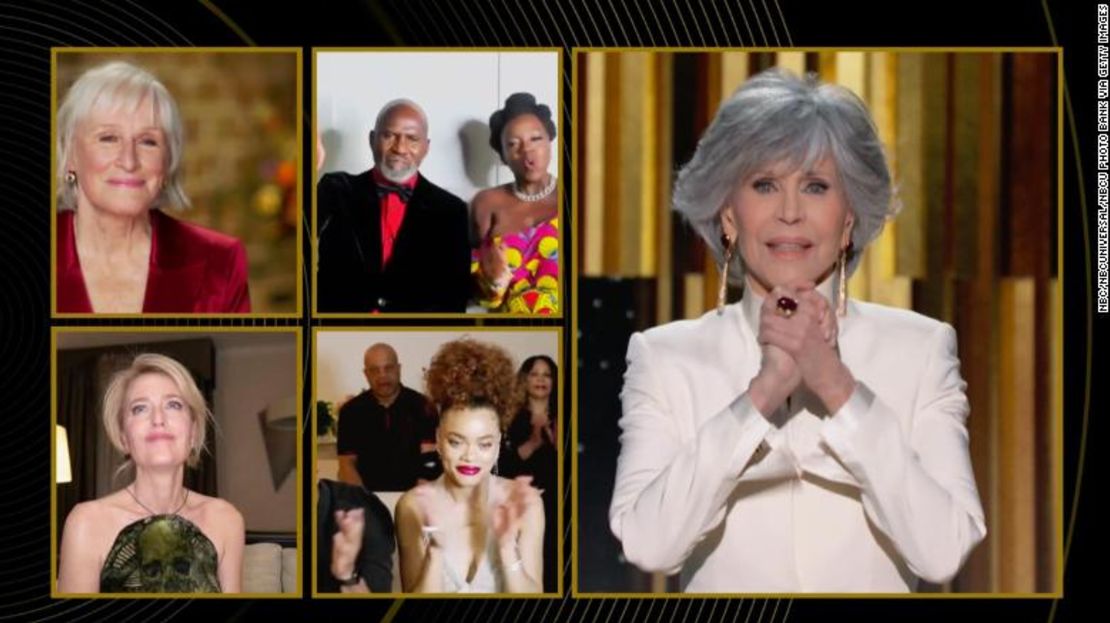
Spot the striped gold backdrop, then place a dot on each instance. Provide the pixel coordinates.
(973, 141)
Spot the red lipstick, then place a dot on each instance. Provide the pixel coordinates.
(468, 470)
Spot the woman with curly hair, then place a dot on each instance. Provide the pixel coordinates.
(516, 262)
(471, 531)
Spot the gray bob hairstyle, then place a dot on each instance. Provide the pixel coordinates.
(775, 117)
(119, 85)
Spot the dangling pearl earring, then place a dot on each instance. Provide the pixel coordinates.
(722, 293)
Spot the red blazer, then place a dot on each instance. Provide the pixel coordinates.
(192, 270)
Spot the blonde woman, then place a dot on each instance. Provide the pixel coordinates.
(153, 535)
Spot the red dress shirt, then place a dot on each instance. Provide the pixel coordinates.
(392, 212)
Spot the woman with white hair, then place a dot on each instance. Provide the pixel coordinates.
(794, 441)
(120, 142)
(154, 535)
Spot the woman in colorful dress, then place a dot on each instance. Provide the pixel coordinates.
(516, 262)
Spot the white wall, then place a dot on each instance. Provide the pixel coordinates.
(249, 377)
(458, 90)
(339, 354)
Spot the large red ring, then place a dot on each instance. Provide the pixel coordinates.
(786, 306)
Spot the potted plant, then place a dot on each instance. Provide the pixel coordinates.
(325, 420)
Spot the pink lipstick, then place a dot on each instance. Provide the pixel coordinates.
(789, 247)
(468, 470)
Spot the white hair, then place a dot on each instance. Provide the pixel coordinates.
(777, 117)
(397, 103)
(121, 85)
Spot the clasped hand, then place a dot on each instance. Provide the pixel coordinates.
(799, 349)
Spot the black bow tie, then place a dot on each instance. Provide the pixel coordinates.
(404, 193)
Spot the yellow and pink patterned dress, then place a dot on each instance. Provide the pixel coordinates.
(532, 256)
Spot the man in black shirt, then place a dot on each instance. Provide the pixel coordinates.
(383, 432)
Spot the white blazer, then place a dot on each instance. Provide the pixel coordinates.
(868, 499)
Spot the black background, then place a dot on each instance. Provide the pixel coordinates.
(29, 29)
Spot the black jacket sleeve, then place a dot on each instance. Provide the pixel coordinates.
(375, 560)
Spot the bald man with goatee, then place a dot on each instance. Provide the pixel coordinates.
(388, 239)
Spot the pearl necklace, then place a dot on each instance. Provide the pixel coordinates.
(547, 190)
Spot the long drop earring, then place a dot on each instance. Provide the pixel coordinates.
(722, 292)
(842, 289)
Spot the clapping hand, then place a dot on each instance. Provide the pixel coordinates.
(430, 510)
(347, 541)
(507, 517)
(550, 433)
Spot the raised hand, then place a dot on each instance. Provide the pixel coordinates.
(827, 316)
(346, 543)
(551, 433)
(779, 374)
(507, 517)
(491, 259)
(431, 512)
(808, 337)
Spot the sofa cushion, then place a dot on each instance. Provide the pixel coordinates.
(289, 570)
(262, 568)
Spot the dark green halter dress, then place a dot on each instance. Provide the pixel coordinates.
(161, 554)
